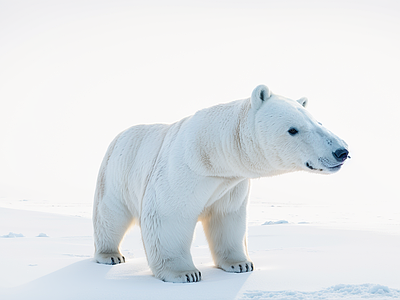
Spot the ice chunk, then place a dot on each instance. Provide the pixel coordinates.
(276, 222)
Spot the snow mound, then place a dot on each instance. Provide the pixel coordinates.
(341, 291)
(13, 235)
(42, 235)
(276, 222)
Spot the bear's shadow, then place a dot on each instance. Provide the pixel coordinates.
(133, 280)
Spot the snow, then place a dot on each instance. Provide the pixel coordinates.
(341, 291)
(42, 235)
(13, 235)
(276, 222)
(292, 261)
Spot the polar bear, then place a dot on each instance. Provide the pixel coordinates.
(166, 178)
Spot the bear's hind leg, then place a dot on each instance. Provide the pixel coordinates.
(110, 226)
(226, 235)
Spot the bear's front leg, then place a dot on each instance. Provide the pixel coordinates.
(167, 239)
(226, 235)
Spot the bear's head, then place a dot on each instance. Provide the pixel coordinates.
(290, 136)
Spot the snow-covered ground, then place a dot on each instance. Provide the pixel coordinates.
(49, 256)
(303, 247)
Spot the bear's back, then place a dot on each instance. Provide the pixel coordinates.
(130, 160)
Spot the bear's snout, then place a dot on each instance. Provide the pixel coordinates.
(341, 154)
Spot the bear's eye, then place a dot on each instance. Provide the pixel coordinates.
(293, 131)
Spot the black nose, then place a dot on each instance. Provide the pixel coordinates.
(341, 154)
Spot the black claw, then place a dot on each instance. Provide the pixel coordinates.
(247, 267)
(241, 269)
(252, 266)
(123, 258)
(112, 261)
(232, 267)
(119, 260)
(192, 277)
(199, 276)
(187, 277)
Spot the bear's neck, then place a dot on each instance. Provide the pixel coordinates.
(222, 143)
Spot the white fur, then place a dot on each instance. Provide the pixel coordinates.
(166, 178)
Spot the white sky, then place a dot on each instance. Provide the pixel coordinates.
(73, 74)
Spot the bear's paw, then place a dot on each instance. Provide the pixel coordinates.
(181, 277)
(109, 258)
(237, 267)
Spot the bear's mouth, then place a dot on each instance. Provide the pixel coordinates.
(308, 165)
(328, 165)
(335, 168)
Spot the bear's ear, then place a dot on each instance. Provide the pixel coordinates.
(259, 95)
(303, 101)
